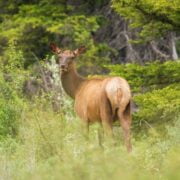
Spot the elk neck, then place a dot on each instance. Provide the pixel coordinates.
(71, 80)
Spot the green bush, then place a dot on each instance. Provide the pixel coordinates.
(157, 107)
(8, 119)
(149, 76)
(10, 109)
(159, 82)
(12, 76)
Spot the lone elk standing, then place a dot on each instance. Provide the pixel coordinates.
(96, 100)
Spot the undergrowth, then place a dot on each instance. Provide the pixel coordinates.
(52, 146)
(38, 143)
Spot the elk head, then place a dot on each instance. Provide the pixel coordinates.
(66, 57)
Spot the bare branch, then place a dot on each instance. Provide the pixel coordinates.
(157, 51)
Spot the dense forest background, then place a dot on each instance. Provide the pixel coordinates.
(40, 135)
(117, 31)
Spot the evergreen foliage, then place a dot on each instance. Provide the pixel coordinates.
(34, 24)
(154, 17)
(150, 76)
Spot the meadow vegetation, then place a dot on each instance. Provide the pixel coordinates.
(38, 143)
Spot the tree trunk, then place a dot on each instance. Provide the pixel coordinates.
(118, 35)
(173, 46)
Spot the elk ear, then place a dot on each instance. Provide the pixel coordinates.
(55, 48)
(79, 51)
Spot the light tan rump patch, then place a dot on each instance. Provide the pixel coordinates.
(118, 92)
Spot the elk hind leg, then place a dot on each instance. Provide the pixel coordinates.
(100, 135)
(125, 121)
(106, 116)
(85, 128)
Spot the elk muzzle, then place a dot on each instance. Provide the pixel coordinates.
(63, 68)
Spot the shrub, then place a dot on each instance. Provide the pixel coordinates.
(12, 76)
(150, 76)
(10, 109)
(8, 119)
(157, 107)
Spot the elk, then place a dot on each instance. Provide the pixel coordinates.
(102, 100)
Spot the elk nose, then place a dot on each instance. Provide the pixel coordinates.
(63, 66)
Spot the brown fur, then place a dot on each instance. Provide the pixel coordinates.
(99, 100)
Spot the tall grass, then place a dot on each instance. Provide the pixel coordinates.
(52, 146)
